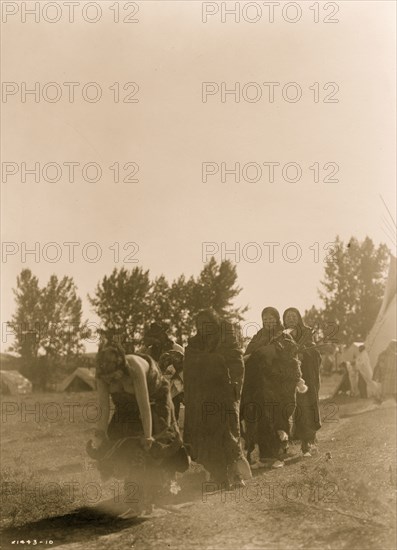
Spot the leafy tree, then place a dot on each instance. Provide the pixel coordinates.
(216, 287)
(61, 308)
(27, 321)
(352, 290)
(171, 304)
(47, 325)
(182, 316)
(159, 306)
(121, 300)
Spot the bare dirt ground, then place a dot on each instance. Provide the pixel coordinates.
(343, 498)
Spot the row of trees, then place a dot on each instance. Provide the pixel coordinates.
(49, 328)
(126, 301)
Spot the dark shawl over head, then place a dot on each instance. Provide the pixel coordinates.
(272, 373)
(265, 335)
(303, 334)
(213, 377)
(307, 417)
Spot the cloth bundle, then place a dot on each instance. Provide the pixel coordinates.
(121, 458)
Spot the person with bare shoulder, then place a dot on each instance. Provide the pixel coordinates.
(140, 443)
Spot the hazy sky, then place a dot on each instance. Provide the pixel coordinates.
(170, 132)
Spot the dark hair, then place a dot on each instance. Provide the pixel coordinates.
(103, 354)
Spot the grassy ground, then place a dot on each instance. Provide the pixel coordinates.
(342, 499)
(43, 455)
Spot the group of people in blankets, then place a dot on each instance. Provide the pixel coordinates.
(266, 395)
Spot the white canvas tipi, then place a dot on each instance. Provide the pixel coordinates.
(384, 328)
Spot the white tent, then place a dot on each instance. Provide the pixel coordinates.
(384, 328)
(82, 379)
(13, 383)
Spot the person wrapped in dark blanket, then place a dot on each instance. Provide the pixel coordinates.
(272, 377)
(306, 421)
(213, 377)
(141, 444)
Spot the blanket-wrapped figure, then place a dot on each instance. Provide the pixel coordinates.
(307, 419)
(272, 377)
(213, 379)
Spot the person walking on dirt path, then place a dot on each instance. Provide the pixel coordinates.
(213, 379)
(306, 420)
(272, 376)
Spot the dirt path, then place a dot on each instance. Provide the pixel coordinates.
(342, 499)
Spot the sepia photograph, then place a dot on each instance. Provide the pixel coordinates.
(198, 275)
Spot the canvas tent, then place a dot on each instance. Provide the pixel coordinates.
(81, 379)
(384, 328)
(13, 383)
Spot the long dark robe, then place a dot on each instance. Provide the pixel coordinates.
(213, 378)
(268, 400)
(307, 419)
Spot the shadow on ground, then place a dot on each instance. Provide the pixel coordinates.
(87, 523)
(92, 522)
